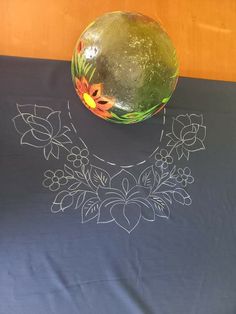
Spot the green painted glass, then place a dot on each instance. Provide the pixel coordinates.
(124, 67)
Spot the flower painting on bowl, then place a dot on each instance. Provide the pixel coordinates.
(124, 67)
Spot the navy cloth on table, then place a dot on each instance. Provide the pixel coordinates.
(102, 218)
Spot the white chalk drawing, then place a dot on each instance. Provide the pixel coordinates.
(41, 127)
(123, 198)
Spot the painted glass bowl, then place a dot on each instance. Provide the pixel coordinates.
(124, 67)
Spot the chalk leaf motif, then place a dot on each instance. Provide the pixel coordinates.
(99, 176)
(147, 177)
(80, 199)
(74, 186)
(69, 171)
(62, 201)
(166, 196)
(160, 207)
(90, 209)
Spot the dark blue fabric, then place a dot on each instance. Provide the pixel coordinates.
(172, 250)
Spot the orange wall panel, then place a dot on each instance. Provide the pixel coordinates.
(203, 31)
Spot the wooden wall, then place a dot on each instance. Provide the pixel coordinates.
(204, 31)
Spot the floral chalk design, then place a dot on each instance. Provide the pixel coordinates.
(122, 198)
(188, 134)
(78, 156)
(54, 180)
(40, 127)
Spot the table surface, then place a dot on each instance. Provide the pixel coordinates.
(103, 218)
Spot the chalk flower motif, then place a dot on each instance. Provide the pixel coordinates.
(78, 156)
(184, 176)
(40, 127)
(163, 159)
(125, 201)
(54, 180)
(188, 134)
